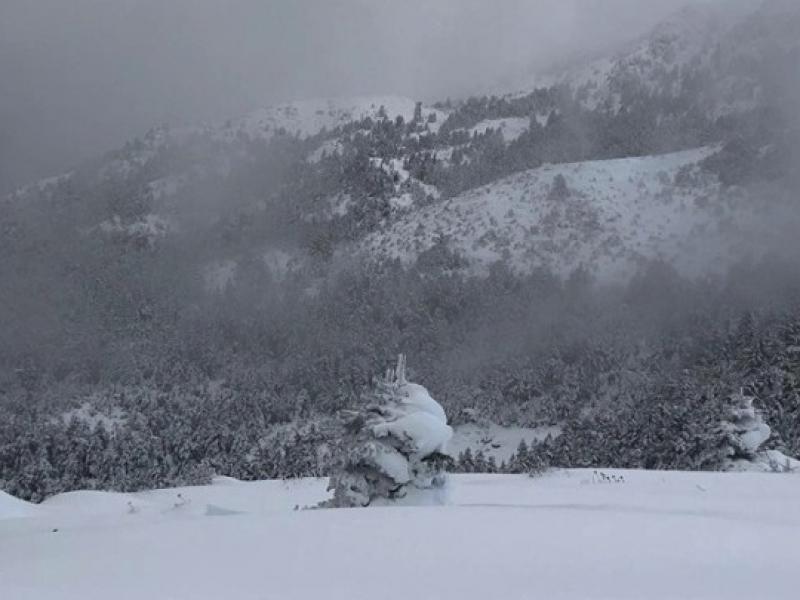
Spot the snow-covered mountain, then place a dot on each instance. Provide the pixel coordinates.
(606, 216)
(393, 176)
(728, 56)
(204, 299)
(603, 215)
(646, 154)
(308, 118)
(302, 118)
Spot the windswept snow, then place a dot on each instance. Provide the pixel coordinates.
(567, 535)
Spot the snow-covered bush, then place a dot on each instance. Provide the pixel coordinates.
(746, 433)
(395, 443)
(745, 427)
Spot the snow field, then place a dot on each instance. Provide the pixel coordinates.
(569, 534)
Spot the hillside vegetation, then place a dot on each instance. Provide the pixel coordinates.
(612, 253)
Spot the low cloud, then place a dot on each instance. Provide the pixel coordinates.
(81, 77)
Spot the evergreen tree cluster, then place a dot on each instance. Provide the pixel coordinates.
(638, 375)
(104, 303)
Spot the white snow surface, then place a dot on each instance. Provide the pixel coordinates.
(427, 433)
(417, 397)
(14, 508)
(391, 463)
(756, 436)
(418, 419)
(658, 535)
(495, 440)
(765, 461)
(617, 213)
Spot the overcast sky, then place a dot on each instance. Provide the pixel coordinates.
(79, 77)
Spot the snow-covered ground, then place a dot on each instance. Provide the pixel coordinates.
(309, 117)
(495, 440)
(613, 215)
(510, 128)
(566, 535)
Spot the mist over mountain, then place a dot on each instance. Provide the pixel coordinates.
(83, 76)
(607, 252)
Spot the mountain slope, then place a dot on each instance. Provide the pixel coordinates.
(309, 117)
(717, 57)
(313, 177)
(602, 215)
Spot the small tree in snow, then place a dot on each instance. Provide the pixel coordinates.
(396, 442)
(558, 190)
(746, 433)
(745, 427)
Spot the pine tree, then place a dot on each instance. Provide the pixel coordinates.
(480, 462)
(466, 462)
(519, 462)
(417, 113)
(395, 442)
(491, 464)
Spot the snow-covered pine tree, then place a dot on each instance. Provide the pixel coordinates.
(518, 463)
(480, 462)
(491, 464)
(746, 429)
(746, 433)
(396, 442)
(466, 462)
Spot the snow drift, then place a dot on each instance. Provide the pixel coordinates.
(659, 535)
